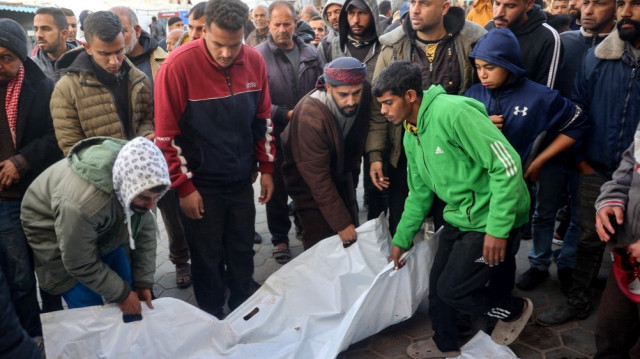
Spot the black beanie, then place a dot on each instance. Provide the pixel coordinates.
(13, 37)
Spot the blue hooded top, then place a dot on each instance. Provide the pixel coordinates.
(533, 114)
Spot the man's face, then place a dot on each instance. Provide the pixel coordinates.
(108, 55)
(196, 27)
(425, 15)
(282, 26)
(260, 17)
(131, 34)
(574, 8)
(628, 14)
(144, 202)
(223, 45)
(178, 25)
(319, 28)
(559, 7)
(333, 15)
(395, 108)
(510, 13)
(9, 65)
(49, 37)
(359, 21)
(491, 76)
(172, 38)
(73, 27)
(598, 15)
(347, 98)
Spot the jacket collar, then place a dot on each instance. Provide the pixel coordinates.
(238, 61)
(611, 48)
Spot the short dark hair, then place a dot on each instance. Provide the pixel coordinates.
(67, 12)
(274, 4)
(398, 77)
(198, 10)
(153, 18)
(172, 20)
(158, 189)
(103, 24)
(229, 15)
(58, 16)
(385, 6)
(316, 18)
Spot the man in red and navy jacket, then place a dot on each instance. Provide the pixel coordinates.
(212, 122)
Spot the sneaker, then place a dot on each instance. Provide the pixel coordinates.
(565, 276)
(531, 278)
(562, 314)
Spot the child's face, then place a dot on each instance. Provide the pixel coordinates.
(491, 76)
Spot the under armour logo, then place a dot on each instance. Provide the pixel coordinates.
(479, 260)
(518, 111)
(439, 151)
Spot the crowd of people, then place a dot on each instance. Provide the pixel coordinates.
(486, 117)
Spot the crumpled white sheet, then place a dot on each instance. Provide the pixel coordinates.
(314, 307)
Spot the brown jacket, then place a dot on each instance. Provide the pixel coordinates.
(319, 160)
(82, 107)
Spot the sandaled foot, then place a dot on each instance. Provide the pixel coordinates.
(506, 333)
(183, 275)
(428, 349)
(282, 255)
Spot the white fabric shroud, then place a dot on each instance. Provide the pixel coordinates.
(313, 307)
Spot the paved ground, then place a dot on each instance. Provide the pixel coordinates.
(569, 341)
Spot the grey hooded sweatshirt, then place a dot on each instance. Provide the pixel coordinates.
(78, 210)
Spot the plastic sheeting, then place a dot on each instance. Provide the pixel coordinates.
(314, 307)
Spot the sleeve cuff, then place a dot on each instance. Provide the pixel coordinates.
(21, 164)
(375, 156)
(265, 167)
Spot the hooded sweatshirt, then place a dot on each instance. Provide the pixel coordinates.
(151, 57)
(331, 33)
(340, 48)
(46, 65)
(533, 114)
(78, 210)
(540, 47)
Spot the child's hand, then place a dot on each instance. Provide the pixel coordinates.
(497, 120)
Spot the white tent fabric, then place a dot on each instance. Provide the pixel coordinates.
(314, 307)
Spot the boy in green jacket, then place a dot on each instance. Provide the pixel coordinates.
(455, 152)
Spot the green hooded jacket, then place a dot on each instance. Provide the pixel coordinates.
(460, 156)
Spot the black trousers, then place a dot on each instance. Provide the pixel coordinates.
(457, 284)
(221, 246)
(277, 208)
(590, 247)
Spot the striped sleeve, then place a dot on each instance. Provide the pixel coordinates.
(264, 145)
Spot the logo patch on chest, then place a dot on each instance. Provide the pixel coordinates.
(517, 111)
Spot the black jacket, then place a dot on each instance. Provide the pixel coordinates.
(35, 138)
(539, 45)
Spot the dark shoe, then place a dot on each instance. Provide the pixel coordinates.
(257, 238)
(183, 275)
(561, 314)
(565, 277)
(531, 278)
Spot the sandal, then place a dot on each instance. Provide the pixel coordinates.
(281, 255)
(427, 349)
(183, 275)
(506, 333)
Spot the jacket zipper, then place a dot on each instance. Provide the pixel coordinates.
(424, 161)
(226, 74)
(624, 112)
(473, 202)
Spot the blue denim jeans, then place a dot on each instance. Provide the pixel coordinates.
(16, 261)
(81, 296)
(552, 182)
